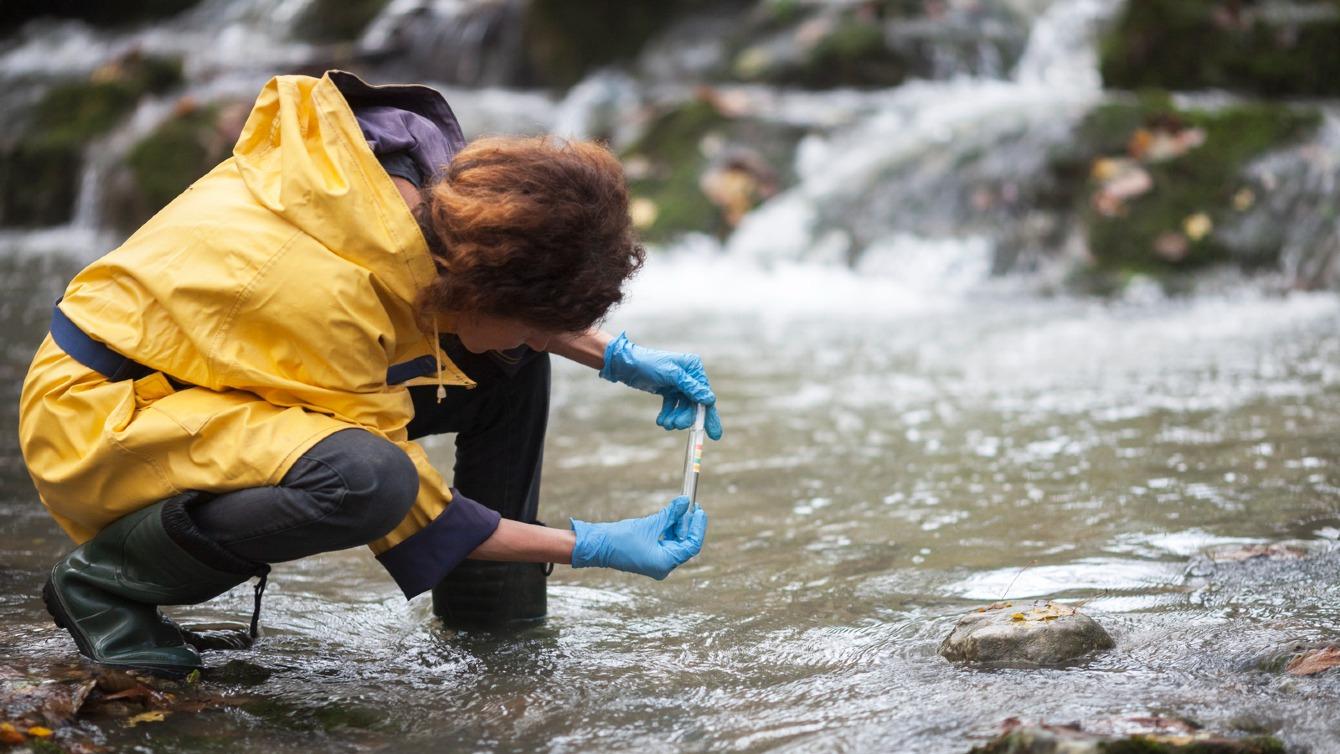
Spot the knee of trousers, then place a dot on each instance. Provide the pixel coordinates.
(380, 481)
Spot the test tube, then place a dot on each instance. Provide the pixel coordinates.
(693, 457)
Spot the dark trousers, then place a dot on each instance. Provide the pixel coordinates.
(354, 487)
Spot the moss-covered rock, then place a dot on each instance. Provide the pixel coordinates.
(565, 40)
(818, 48)
(14, 13)
(168, 160)
(667, 166)
(40, 165)
(1268, 48)
(336, 20)
(38, 183)
(1152, 183)
(873, 44)
(1049, 739)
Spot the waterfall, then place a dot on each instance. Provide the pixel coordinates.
(918, 165)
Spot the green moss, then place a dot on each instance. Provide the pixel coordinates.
(565, 40)
(171, 158)
(1203, 180)
(671, 146)
(38, 184)
(336, 20)
(783, 11)
(672, 151)
(73, 112)
(854, 52)
(1238, 47)
(39, 169)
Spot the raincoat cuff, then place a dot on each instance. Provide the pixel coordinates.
(418, 563)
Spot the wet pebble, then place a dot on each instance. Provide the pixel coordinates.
(1043, 634)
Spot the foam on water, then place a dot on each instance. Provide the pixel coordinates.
(900, 275)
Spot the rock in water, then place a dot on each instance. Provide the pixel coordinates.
(1047, 633)
(1071, 739)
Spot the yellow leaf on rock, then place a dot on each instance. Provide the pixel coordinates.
(39, 732)
(643, 212)
(1018, 616)
(1197, 226)
(10, 736)
(155, 716)
(1244, 199)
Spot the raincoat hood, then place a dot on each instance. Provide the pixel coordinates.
(303, 156)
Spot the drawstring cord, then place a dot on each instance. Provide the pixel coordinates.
(437, 354)
(256, 612)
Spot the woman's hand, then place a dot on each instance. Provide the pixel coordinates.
(678, 378)
(652, 546)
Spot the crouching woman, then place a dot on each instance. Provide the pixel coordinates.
(242, 381)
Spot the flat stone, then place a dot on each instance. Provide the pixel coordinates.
(1041, 634)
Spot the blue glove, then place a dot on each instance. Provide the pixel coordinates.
(677, 377)
(652, 546)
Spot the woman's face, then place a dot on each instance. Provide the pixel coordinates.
(485, 332)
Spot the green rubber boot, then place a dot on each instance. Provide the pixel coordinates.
(106, 592)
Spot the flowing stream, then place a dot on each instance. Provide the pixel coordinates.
(906, 440)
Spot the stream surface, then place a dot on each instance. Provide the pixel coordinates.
(895, 456)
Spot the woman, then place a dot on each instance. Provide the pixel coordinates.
(240, 383)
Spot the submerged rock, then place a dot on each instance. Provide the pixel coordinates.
(1139, 735)
(1299, 659)
(1047, 633)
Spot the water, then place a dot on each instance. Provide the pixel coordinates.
(892, 460)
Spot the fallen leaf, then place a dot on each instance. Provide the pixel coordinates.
(1018, 616)
(1197, 226)
(643, 212)
(1313, 662)
(39, 732)
(10, 736)
(116, 680)
(155, 716)
(1171, 245)
(1244, 199)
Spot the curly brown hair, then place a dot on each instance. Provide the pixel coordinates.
(531, 228)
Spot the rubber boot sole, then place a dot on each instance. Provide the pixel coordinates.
(55, 608)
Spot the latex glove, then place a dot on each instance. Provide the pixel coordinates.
(652, 546)
(677, 377)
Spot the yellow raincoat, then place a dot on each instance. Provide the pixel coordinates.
(279, 287)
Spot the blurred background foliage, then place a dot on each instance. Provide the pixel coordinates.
(115, 108)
